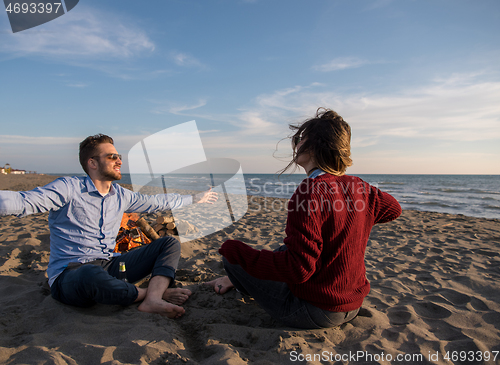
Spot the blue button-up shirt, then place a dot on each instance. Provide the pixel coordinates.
(83, 223)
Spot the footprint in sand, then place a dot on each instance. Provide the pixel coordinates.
(431, 310)
(446, 332)
(455, 297)
(400, 316)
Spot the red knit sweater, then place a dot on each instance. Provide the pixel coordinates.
(328, 225)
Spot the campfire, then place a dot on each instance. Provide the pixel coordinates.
(135, 231)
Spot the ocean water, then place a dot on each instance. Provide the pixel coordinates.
(470, 195)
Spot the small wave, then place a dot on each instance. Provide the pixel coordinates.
(391, 183)
(484, 192)
(448, 190)
(435, 204)
(485, 198)
(473, 191)
(189, 178)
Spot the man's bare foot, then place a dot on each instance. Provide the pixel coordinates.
(176, 295)
(221, 285)
(161, 307)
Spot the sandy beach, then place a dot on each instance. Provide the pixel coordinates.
(434, 299)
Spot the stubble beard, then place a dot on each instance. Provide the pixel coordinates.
(112, 175)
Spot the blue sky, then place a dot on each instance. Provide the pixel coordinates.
(418, 81)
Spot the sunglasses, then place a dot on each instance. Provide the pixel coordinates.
(111, 156)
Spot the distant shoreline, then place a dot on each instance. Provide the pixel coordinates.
(488, 199)
(24, 182)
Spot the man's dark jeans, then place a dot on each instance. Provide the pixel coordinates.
(84, 285)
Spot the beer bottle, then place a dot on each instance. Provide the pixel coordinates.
(122, 274)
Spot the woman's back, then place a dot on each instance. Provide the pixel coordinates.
(329, 222)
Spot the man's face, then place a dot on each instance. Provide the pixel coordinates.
(108, 166)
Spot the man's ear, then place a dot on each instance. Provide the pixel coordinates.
(92, 164)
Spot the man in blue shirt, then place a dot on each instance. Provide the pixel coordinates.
(84, 218)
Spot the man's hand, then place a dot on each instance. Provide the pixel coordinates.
(208, 196)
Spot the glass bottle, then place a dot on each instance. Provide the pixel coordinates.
(122, 272)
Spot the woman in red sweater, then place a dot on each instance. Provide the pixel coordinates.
(317, 279)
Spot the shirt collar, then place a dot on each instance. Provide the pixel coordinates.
(316, 173)
(91, 187)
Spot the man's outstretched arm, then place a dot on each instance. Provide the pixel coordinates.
(38, 200)
(162, 202)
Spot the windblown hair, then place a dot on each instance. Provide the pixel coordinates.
(328, 138)
(88, 148)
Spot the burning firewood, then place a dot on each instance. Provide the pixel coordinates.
(147, 229)
(130, 235)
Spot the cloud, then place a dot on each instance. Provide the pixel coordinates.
(78, 84)
(86, 34)
(450, 110)
(341, 63)
(185, 60)
(458, 108)
(448, 114)
(166, 107)
(121, 71)
(229, 142)
(252, 122)
(272, 112)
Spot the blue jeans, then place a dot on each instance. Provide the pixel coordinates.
(278, 301)
(84, 285)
